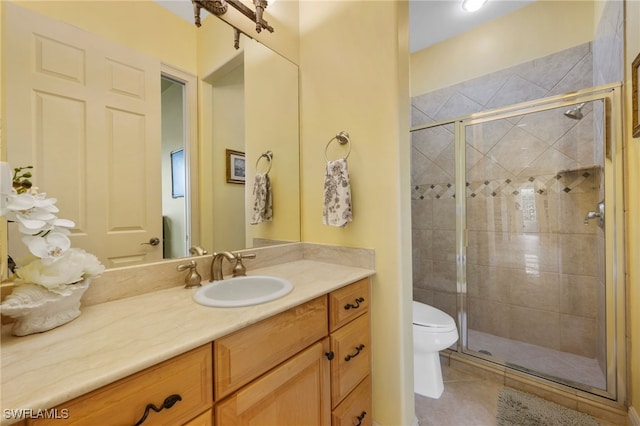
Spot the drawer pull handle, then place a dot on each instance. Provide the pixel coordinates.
(358, 349)
(329, 355)
(348, 306)
(168, 403)
(360, 418)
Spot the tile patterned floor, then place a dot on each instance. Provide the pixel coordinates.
(467, 400)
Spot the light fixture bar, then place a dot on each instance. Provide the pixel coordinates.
(219, 7)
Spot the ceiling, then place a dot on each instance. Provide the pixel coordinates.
(430, 21)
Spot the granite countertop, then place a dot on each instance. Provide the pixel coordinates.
(112, 340)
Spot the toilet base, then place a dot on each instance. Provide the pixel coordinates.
(427, 377)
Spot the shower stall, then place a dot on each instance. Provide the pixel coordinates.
(517, 218)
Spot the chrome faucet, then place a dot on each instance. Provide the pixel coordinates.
(236, 258)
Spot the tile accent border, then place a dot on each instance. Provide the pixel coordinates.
(564, 182)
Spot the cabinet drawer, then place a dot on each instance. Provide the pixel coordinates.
(123, 402)
(294, 393)
(355, 410)
(351, 347)
(244, 355)
(348, 303)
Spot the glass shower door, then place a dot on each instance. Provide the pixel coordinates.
(535, 296)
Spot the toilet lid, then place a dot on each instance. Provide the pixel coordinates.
(428, 316)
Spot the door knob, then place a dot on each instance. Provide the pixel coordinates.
(152, 241)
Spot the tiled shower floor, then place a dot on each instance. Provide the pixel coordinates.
(548, 361)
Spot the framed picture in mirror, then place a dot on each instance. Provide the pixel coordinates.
(235, 166)
(177, 173)
(635, 79)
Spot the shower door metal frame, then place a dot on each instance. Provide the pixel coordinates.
(614, 228)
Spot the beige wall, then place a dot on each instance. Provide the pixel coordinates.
(271, 109)
(354, 77)
(540, 27)
(632, 194)
(226, 200)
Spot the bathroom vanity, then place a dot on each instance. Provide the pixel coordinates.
(303, 356)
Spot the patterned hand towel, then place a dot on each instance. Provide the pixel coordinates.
(337, 194)
(262, 203)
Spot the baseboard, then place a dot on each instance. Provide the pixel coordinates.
(634, 417)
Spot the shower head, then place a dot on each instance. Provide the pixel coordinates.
(575, 113)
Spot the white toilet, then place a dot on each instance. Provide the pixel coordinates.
(433, 331)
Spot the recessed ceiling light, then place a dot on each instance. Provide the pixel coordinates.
(472, 5)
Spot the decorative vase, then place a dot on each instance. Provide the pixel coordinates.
(36, 309)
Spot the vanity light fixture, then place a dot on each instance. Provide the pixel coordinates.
(472, 5)
(219, 7)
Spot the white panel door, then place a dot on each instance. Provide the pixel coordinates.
(85, 112)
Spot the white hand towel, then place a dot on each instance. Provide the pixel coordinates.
(337, 194)
(262, 201)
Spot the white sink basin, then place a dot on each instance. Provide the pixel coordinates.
(242, 291)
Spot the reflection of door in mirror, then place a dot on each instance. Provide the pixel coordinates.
(88, 120)
(174, 180)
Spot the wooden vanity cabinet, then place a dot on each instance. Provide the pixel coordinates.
(246, 354)
(309, 365)
(188, 376)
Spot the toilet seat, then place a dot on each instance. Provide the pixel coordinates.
(431, 318)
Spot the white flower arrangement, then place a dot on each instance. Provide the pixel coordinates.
(46, 236)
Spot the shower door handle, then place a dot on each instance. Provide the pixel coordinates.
(599, 213)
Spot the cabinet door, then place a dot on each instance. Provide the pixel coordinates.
(246, 354)
(295, 393)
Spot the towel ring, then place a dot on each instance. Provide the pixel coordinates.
(342, 138)
(269, 156)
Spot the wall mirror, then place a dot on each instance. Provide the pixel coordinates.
(111, 159)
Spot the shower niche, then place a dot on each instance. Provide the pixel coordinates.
(528, 275)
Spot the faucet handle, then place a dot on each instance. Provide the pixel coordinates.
(193, 278)
(239, 270)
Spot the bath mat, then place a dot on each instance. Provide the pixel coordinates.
(517, 408)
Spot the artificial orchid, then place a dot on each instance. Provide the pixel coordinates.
(46, 237)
